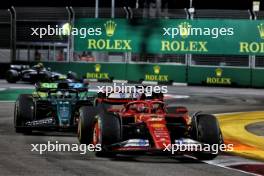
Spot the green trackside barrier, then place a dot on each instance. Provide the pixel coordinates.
(257, 78)
(100, 71)
(12, 94)
(217, 76)
(156, 36)
(156, 72)
(121, 71)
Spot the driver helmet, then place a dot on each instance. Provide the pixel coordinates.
(40, 65)
(142, 108)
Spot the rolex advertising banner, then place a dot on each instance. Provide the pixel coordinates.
(218, 36)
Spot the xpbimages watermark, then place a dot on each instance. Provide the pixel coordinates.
(60, 147)
(198, 147)
(132, 89)
(186, 29)
(66, 29)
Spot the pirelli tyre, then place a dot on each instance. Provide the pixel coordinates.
(101, 95)
(205, 129)
(106, 131)
(24, 112)
(12, 76)
(85, 124)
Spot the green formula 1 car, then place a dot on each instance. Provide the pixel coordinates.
(53, 106)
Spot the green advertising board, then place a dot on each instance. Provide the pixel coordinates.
(156, 72)
(173, 36)
(163, 73)
(219, 76)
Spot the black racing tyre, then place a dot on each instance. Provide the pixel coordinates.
(102, 105)
(46, 77)
(85, 124)
(24, 112)
(106, 131)
(12, 76)
(207, 131)
(101, 95)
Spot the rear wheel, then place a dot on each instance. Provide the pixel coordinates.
(101, 95)
(12, 76)
(106, 131)
(85, 124)
(24, 112)
(206, 130)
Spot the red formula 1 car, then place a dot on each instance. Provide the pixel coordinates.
(146, 126)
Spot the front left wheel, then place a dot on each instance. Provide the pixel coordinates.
(106, 131)
(85, 124)
(12, 76)
(24, 112)
(205, 129)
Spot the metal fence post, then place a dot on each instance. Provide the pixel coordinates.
(158, 8)
(72, 37)
(188, 57)
(191, 3)
(252, 58)
(96, 53)
(11, 31)
(69, 36)
(127, 54)
(13, 34)
(113, 9)
(96, 8)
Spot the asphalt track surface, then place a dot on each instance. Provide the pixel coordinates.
(256, 128)
(16, 157)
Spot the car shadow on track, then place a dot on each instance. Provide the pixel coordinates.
(55, 134)
(156, 159)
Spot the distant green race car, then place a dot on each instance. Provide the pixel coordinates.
(53, 106)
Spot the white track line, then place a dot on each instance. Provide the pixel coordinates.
(120, 81)
(179, 84)
(93, 90)
(215, 163)
(233, 160)
(18, 87)
(230, 168)
(177, 96)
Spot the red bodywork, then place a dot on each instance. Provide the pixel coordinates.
(104, 98)
(153, 114)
